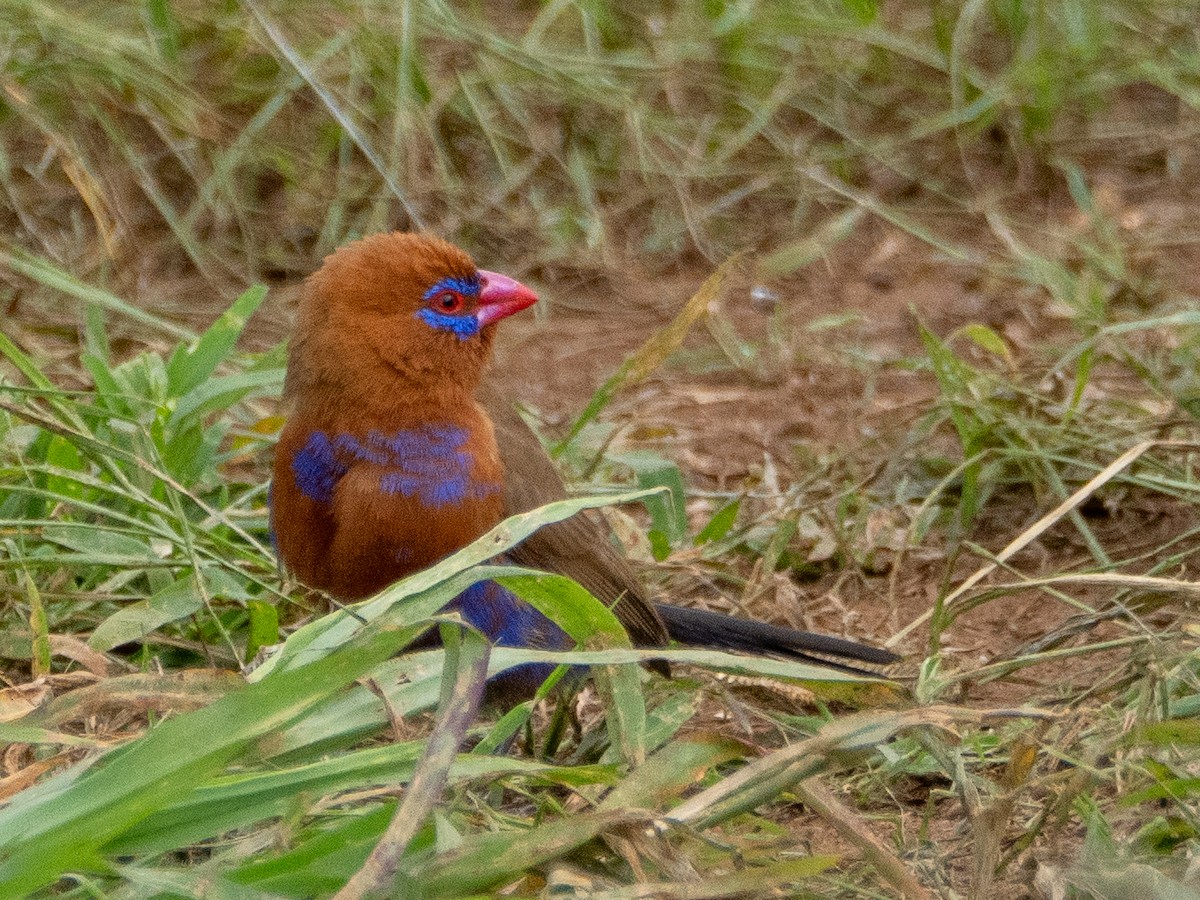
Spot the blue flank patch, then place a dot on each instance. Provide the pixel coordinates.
(317, 468)
(462, 326)
(430, 463)
(509, 621)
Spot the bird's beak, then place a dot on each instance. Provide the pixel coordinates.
(501, 296)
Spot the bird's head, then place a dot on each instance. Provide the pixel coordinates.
(399, 312)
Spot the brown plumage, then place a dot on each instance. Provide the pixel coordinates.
(396, 454)
(361, 363)
(577, 547)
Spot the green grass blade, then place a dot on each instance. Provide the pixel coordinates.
(42, 838)
(191, 364)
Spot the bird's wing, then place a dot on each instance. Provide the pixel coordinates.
(577, 547)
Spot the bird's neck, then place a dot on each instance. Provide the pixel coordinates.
(387, 409)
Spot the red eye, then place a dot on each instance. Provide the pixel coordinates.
(448, 302)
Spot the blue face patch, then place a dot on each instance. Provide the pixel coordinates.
(430, 463)
(462, 326)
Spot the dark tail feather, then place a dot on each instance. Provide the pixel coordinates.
(701, 628)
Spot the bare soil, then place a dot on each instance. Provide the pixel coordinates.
(725, 427)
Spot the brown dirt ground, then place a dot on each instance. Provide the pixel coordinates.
(720, 426)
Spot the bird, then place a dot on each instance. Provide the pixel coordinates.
(398, 451)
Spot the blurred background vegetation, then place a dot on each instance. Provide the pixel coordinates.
(1023, 174)
(245, 141)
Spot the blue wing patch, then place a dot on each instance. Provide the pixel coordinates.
(317, 467)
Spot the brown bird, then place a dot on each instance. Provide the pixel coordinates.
(397, 453)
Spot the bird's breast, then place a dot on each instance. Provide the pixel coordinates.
(432, 464)
(354, 511)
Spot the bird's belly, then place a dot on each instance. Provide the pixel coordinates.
(391, 537)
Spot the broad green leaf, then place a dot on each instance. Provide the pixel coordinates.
(236, 801)
(572, 608)
(105, 542)
(198, 880)
(489, 859)
(264, 627)
(763, 779)
(664, 721)
(192, 364)
(720, 523)
(221, 392)
(834, 320)
(1083, 374)
(797, 255)
(13, 733)
(989, 340)
(62, 454)
(321, 865)
(660, 544)
(24, 364)
(39, 628)
(864, 11)
(671, 771)
(1167, 733)
(506, 657)
(668, 511)
(134, 622)
(410, 682)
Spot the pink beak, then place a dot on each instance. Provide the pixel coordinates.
(500, 297)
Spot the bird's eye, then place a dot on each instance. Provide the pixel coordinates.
(448, 302)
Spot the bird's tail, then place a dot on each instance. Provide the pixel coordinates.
(700, 628)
